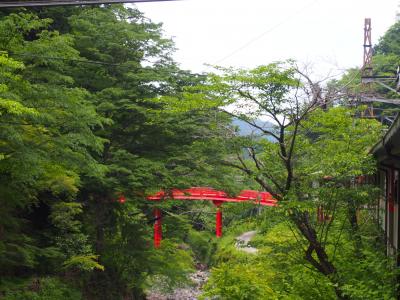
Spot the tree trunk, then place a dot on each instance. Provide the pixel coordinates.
(322, 262)
(355, 230)
(99, 221)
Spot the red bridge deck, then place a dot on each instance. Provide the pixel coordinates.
(205, 193)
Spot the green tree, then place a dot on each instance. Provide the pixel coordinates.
(92, 74)
(46, 137)
(287, 97)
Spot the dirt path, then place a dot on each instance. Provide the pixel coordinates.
(242, 242)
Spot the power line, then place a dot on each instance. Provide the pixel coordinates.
(122, 65)
(248, 43)
(41, 3)
(95, 62)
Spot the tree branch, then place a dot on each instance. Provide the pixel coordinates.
(252, 124)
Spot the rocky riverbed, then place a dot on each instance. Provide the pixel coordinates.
(190, 292)
(200, 277)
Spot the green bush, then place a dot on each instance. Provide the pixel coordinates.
(278, 271)
(202, 244)
(240, 281)
(48, 288)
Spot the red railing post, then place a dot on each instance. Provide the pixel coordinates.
(157, 228)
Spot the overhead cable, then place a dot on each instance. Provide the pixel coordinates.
(40, 3)
(249, 42)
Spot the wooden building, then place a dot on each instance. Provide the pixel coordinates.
(387, 153)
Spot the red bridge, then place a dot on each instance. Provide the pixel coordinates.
(210, 194)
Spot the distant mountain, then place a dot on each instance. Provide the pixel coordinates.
(246, 129)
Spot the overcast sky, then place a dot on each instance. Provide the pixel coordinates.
(326, 34)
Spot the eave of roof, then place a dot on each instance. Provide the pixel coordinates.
(389, 146)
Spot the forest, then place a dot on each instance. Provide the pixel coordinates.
(95, 115)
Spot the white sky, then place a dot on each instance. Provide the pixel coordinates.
(326, 34)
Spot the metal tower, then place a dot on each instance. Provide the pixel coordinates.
(366, 69)
(368, 77)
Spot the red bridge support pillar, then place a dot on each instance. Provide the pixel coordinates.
(157, 228)
(218, 218)
(218, 223)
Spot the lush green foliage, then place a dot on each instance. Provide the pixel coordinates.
(280, 271)
(79, 129)
(47, 288)
(309, 165)
(93, 109)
